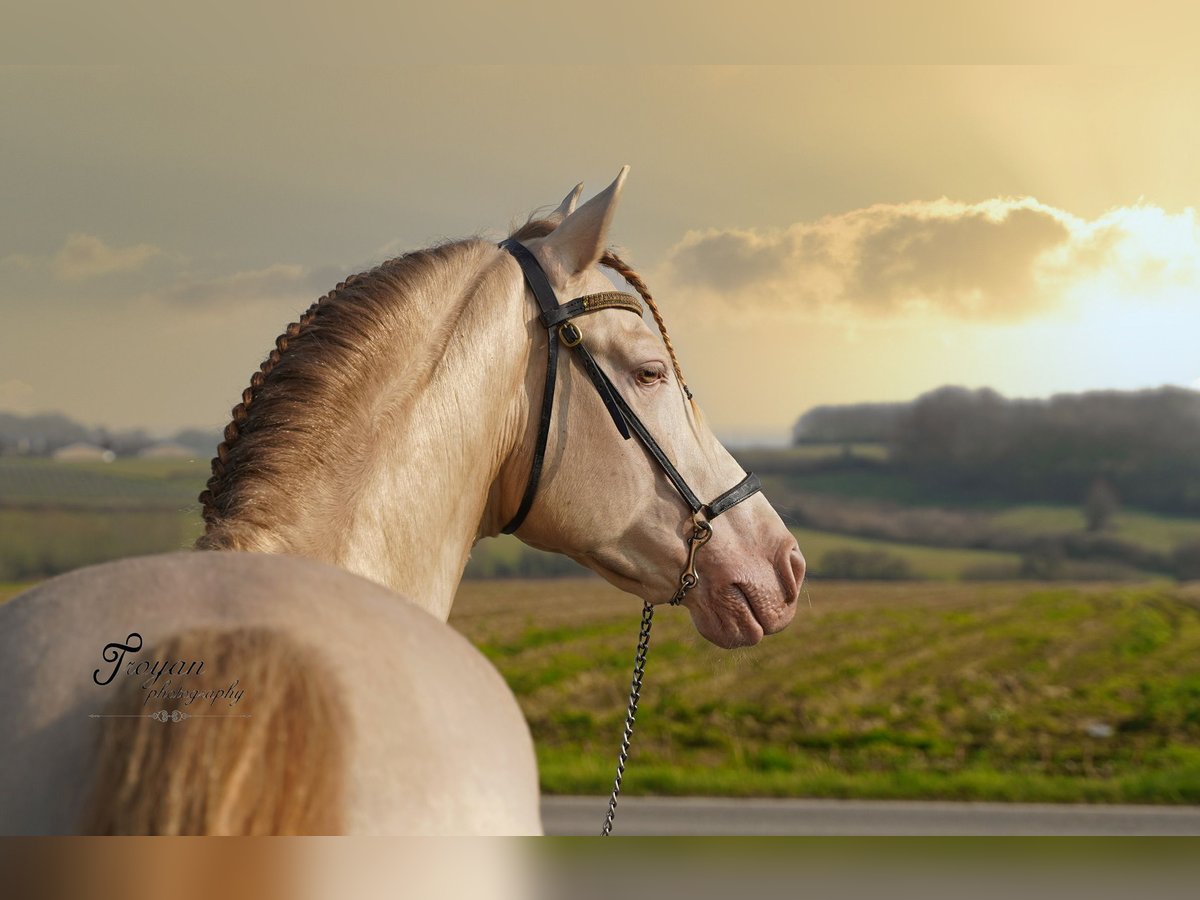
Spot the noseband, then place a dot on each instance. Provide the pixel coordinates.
(558, 319)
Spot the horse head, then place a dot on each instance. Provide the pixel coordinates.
(605, 499)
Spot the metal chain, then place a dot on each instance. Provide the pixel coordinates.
(635, 690)
(701, 532)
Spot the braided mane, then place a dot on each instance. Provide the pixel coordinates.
(295, 402)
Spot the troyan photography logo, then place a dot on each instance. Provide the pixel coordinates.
(165, 681)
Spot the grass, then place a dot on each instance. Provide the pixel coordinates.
(808, 453)
(36, 543)
(933, 563)
(1149, 530)
(122, 484)
(937, 690)
(868, 484)
(504, 556)
(57, 516)
(1152, 530)
(915, 689)
(919, 690)
(878, 501)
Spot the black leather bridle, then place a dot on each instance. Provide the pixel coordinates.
(558, 319)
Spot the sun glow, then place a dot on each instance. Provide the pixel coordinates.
(1132, 254)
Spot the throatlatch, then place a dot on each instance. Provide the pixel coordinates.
(558, 319)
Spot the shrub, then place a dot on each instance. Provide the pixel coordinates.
(1044, 561)
(873, 565)
(1185, 561)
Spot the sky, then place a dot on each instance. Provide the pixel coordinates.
(815, 234)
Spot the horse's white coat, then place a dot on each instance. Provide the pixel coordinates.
(439, 743)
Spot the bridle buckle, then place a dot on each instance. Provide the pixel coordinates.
(570, 335)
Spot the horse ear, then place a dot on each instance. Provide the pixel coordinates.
(579, 241)
(567, 206)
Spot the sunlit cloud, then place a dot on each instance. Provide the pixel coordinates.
(1138, 253)
(1001, 260)
(86, 256)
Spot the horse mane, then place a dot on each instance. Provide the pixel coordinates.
(297, 400)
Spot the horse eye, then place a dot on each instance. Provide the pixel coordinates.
(649, 376)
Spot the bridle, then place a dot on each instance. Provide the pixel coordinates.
(559, 322)
(558, 319)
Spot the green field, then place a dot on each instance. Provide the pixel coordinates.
(923, 690)
(121, 484)
(893, 513)
(937, 686)
(930, 563)
(868, 484)
(1149, 530)
(57, 516)
(504, 556)
(809, 453)
(981, 692)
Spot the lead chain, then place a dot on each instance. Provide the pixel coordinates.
(701, 532)
(635, 690)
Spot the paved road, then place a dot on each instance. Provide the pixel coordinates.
(705, 816)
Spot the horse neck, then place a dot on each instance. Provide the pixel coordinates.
(419, 488)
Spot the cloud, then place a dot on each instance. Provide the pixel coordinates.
(1004, 259)
(86, 256)
(281, 281)
(1132, 253)
(290, 282)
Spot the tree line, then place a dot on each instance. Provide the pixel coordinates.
(1143, 445)
(40, 434)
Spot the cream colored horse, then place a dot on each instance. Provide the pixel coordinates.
(388, 432)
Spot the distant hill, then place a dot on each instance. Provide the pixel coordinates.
(977, 443)
(855, 423)
(41, 434)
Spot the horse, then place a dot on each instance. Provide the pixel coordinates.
(406, 415)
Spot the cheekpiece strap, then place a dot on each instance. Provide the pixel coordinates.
(555, 318)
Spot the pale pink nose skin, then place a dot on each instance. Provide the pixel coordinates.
(744, 596)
